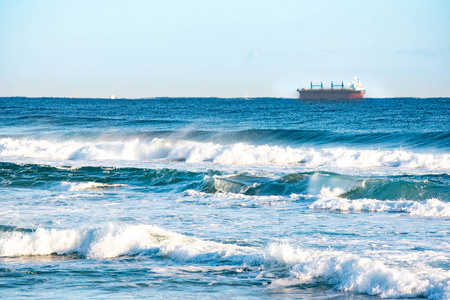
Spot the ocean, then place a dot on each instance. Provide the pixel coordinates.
(211, 198)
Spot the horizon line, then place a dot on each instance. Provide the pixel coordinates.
(213, 97)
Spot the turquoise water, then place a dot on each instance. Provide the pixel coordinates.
(224, 198)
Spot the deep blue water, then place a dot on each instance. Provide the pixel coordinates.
(219, 198)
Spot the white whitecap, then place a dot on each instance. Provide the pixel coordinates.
(86, 186)
(352, 273)
(193, 152)
(329, 200)
(344, 271)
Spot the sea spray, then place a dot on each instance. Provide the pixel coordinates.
(343, 271)
(235, 154)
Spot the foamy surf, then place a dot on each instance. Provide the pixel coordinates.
(86, 186)
(329, 200)
(226, 199)
(192, 152)
(181, 198)
(343, 271)
(352, 273)
(109, 242)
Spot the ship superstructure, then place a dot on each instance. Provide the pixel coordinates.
(355, 90)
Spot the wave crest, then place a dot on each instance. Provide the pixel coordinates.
(351, 273)
(86, 186)
(329, 200)
(235, 154)
(343, 271)
(108, 242)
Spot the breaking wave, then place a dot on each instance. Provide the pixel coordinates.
(343, 271)
(193, 152)
(236, 185)
(329, 200)
(86, 186)
(111, 241)
(352, 273)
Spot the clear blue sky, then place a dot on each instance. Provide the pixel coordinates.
(138, 49)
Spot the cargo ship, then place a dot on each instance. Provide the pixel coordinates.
(337, 91)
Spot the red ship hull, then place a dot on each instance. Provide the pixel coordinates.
(331, 94)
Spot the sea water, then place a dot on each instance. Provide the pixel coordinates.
(224, 198)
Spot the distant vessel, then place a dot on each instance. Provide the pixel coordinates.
(113, 97)
(337, 91)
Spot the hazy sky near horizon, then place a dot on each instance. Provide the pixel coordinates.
(139, 49)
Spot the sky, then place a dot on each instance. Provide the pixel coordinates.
(232, 48)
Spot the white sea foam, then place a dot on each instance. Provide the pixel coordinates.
(344, 271)
(227, 199)
(86, 186)
(44, 242)
(111, 241)
(329, 200)
(349, 272)
(236, 154)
